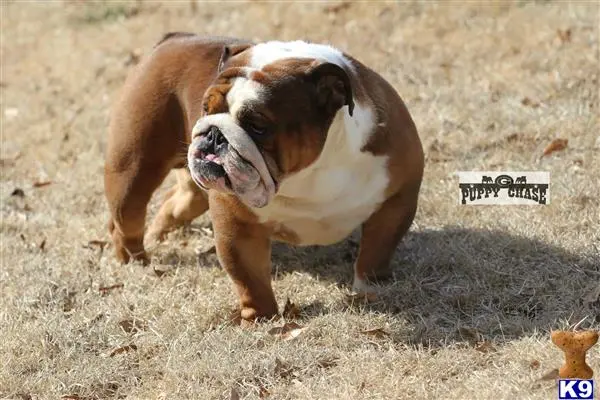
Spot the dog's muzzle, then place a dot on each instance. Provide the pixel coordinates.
(223, 157)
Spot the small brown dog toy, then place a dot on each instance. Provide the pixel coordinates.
(575, 345)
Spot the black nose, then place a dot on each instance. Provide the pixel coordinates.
(213, 141)
(219, 138)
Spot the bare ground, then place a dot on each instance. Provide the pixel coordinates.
(476, 289)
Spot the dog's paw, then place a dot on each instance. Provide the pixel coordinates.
(155, 236)
(362, 286)
(128, 250)
(125, 256)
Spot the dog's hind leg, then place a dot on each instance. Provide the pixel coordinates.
(381, 233)
(128, 193)
(183, 202)
(146, 141)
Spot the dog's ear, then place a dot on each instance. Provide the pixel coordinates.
(231, 51)
(333, 86)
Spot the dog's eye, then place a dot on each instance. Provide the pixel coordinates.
(256, 129)
(254, 122)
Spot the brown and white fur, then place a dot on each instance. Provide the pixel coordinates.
(335, 149)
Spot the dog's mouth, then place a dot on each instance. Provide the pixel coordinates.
(222, 156)
(208, 172)
(228, 172)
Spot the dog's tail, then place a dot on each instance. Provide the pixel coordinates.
(172, 35)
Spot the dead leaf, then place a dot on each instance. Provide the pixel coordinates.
(327, 362)
(133, 325)
(289, 331)
(234, 394)
(263, 393)
(123, 349)
(159, 272)
(470, 334)
(513, 137)
(376, 332)
(18, 192)
(99, 243)
(97, 318)
(206, 248)
(39, 184)
(550, 375)
(564, 36)
(281, 368)
(290, 310)
(555, 145)
(23, 396)
(534, 364)
(526, 101)
(593, 296)
(485, 346)
(133, 57)
(107, 289)
(193, 6)
(361, 298)
(42, 245)
(69, 301)
(335, 8)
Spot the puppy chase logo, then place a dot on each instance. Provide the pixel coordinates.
(504, 188)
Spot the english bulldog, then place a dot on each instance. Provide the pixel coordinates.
(289, 141)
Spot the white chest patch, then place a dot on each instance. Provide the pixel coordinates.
(325, 202)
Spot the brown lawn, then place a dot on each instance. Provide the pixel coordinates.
(476, 289)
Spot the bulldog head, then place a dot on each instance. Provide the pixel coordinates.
(264, 120)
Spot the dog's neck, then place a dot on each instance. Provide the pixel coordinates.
(342, 152)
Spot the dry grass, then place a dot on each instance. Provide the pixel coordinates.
(501, 275)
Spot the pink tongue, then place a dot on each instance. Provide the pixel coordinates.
(214, 158)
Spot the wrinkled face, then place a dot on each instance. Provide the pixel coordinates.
(260, 125)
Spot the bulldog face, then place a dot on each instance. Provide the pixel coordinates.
(260, 125)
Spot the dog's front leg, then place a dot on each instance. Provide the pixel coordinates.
(244, 250)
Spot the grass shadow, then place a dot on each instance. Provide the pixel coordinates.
(455, 280)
